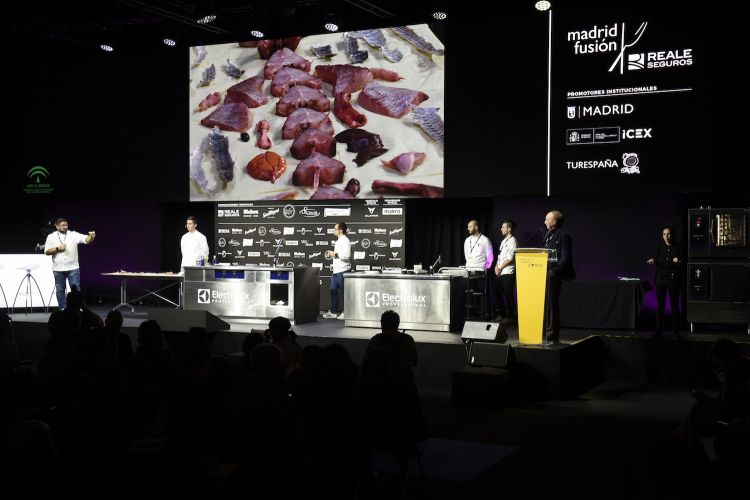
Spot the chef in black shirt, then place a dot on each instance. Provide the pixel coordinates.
(668, 262)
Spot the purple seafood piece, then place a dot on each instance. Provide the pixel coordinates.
(282, 58)
(366, 144)
(405, 162)
(312, 140)
(318, 169)
(300, 96)
(390, 101)
(249, 92)
(288, 77)
(302, 119)
(235, 117)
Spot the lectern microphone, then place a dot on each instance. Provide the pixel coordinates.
(432, 267)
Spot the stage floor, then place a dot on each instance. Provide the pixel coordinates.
(332, 328)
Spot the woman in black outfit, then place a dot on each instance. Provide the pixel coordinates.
(668, 262)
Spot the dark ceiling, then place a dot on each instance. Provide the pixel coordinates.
(142, 24)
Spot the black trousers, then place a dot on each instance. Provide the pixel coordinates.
(552, 309)
(673, 286)
(505, 286)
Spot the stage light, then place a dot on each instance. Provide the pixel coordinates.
(206, 19)
(169, 42)
(257, 33)
(542, 5)
(106, 47)
(330, 23)
(439, 15)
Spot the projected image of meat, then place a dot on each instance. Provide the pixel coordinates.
(289, 106)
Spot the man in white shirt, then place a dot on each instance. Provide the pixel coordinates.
(62, 245)
(477, 249)
(479, 256)
(193, 244)
(505, 270)
(341, 255)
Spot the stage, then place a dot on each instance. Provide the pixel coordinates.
(584, 360)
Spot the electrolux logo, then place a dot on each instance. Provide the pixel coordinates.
(372, 299)
(204, 296)
(38, 181)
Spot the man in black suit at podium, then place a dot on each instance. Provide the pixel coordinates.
(557, 239)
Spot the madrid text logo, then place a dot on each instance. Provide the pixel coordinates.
(204, 296)
(289, 211)
(630, 163)
(372, 299)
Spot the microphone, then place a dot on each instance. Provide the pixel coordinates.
(539, 230)
(438, 261)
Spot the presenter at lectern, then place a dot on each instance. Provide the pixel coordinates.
(557, 239)
(62, 245)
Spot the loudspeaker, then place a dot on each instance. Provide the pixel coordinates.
(180, 320)
(484, 330)
(489, 354)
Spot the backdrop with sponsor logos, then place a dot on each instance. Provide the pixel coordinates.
(299, 233)
(628, 112)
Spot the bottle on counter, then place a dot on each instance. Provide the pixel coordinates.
(214, 261)
(202, 261)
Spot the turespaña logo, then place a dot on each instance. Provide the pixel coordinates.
(372, 299)
(630, 162)
(38, 181)
(204, 296)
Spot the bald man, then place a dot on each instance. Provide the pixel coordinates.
(477, 249)
(557, 239)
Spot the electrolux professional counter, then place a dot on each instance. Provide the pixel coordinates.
(423, 301)
(254, 292)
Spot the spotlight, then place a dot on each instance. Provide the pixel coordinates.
(542, 5)
(330, 23)
(257, 33)
(206, 19)
(106, 47)
(169, 42)
(439, 15)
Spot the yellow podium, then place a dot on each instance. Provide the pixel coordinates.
(531, 282)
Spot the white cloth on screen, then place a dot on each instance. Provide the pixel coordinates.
(478, 252)
(67, 260)
(194, 246)
(343, 249)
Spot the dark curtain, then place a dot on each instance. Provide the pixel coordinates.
(438, 227)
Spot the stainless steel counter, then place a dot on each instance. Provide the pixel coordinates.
(423, 301)
(254, 292)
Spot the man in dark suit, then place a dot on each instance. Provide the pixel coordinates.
(557, 239)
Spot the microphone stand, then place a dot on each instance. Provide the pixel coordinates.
(432, 267)
(539, 230)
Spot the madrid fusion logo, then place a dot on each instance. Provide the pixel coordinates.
(616, 38)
